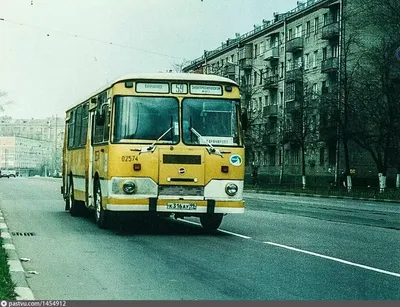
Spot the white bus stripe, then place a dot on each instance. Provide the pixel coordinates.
(334, 259)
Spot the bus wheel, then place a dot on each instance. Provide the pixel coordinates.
(73, 205)
(211, 221)
(100, 215)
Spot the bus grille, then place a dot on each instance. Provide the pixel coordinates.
(180, 190)
(181, 159)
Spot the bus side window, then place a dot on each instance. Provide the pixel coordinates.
(101, 130)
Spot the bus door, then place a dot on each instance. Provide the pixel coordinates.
(89, 162)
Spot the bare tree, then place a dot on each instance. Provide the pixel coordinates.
(4, 101)
(178, 66)
(301, 122)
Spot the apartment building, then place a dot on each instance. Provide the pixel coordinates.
(288, 70)
(26, 156)
(44, 137)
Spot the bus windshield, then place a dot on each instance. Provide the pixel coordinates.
(146, 118)
(214, 121)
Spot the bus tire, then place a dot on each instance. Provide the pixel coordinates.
(73, 205)
(101, 216)
(211, 222)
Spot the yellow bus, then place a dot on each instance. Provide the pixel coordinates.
(157, 145)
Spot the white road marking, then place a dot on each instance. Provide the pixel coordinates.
(224, 231)
(3, 226)
(335, 259)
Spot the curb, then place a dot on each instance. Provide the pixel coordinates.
(322, 196)
(17, 271)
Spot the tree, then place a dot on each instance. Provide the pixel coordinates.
(3, 101)
(376, 105)
(178, 66)
(301, 121)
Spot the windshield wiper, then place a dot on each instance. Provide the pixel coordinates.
(210, 149)
(152, 146)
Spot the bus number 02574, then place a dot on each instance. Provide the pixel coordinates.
(129, 158)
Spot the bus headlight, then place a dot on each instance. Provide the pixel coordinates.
(129, 187)
(231, 189)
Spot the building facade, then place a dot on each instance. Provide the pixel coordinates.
(26, 156)
(288, 70)
(32, 145)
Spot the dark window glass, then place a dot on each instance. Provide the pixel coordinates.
(214, 121)
(146, 118)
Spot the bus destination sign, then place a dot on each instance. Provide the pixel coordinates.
(145, 87)
(205, 89)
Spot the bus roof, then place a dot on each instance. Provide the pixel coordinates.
(159, 77)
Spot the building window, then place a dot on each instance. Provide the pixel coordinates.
(255, 50)
(315, 58)
(316, 25)
(299, 30)
(290, 34)
(266, 103)
(261, 76)
(290, 91)
(254, 78)
(308, 29)
(325, 19)
(259, 103)
(315, 91)
(281, 74)
(324, 53)
(335, 15)
(335, 51)
(306, 61)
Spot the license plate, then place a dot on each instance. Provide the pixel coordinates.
(181, 206)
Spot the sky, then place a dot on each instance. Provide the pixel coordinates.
(53, 53)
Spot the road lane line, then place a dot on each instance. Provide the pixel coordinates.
(224, 231)
(335, 259)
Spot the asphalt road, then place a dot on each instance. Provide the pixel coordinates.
(282, 248)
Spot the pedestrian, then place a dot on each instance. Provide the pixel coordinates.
(254, 175)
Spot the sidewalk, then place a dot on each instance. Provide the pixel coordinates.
(258, 191)
(17, 271)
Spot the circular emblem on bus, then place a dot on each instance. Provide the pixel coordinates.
(236, 160)
(181, 171)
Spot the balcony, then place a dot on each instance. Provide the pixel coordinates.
(229, 70)
(330, 65)
(292, 106)
(246, 64)
(295, 45)
(294, 75)
(271, 110)
(269, 139)
(271, 82)
(330, 31)
(271, 54)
